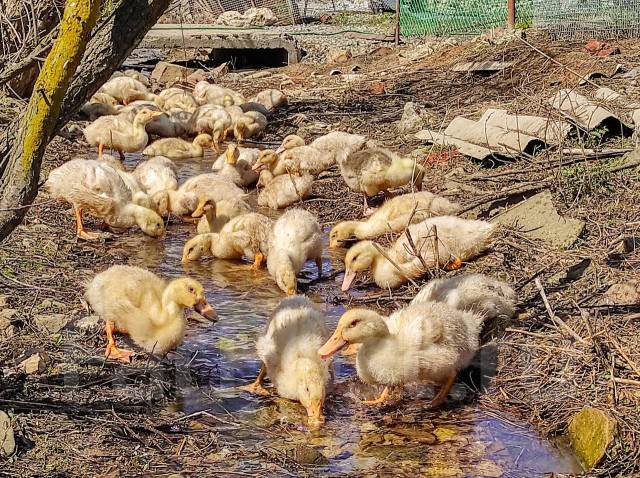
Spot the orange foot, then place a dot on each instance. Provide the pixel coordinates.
(455, 264)
(114, 353)
(255, 388)
(87, 236)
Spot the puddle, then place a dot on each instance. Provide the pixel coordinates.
(458, 440)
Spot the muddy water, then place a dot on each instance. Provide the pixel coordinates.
(457, 440)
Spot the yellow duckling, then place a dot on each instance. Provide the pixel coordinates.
(288, 350)
(119, 134)
(177, 148)
(235, 152)
(271, 99)
(216, 215)
(370, 171)
(237, 170)
(269, 160)
(126, 89)
(425, 342)
(440, 242)
(243, 236)
(213, 120)
(138, 303)
(285, 190)
(250, 125)
(336, 143)
(296, 237)
(176, 99)
(393, 216)
(98, 188)
(207, 93)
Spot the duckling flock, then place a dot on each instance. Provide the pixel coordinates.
(428, 341)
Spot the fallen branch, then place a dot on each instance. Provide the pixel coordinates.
(557, 320)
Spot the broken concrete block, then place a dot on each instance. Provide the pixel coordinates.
(411, 121)
(167, 73)
(51, 323)
(538, 218)
(7, 440)
(591, 431)
(37, 363)
(623, 293)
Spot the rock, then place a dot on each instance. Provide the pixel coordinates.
(7, 440)
(415, 435)
(37, 363)
(306, 455)
(538, 218)
(340, 56)
(7, 329)
(50, 305)
(623, 293)
(89, 322)
(3, 301)
(591, 431)
(166, 73)
(51, 323)
(196, 76)
(411, 121)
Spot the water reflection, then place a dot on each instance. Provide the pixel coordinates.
(455, 441)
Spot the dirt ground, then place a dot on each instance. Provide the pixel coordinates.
(544, 374)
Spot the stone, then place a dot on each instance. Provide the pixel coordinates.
(623, 293)
(50, 305)
(168, 73)
(51, 323)
(306, 455)
(7, 440)
(591, 431)
(340, 56)
(538, 218)
(36, 363)
(7, 329)
(196, 76)
(88, 323)
(411, 121)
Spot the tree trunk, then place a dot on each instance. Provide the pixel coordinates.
(20, 183)
(111, 43)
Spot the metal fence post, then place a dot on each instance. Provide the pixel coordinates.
(397, 33)
(511, 13)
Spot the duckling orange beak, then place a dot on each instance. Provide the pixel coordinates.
(205, 310)
(259, 167)
(349, 278)
(314, 412)
(333, 345)
(281, 150)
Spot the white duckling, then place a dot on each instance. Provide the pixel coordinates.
(98, 188)
(370, 171)
(126, 89)
(206, 187)
(285, 190)
(288, 350)
(243, 236)
(207, 93)
(237, 170)
(216, 215)
(157, 174)
(440, 242)
(393, 216)
(296, 237)
(248, 155)
(271, 99)
(119, 134)
(250, 125)
(176, 99)
(138, 303)
(213, 120)
(425, 342)
(177, 148)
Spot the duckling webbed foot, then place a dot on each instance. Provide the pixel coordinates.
(445, 387)
(384, 396)
(258, 260)
(80, 231)
(256, 387)
(112, 351)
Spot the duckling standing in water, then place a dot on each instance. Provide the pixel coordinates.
(138, 303)
(439, 242)
(288, 350)
(177, 148)
(426, 341)
(217, 214)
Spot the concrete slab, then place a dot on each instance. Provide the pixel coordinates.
(538, 218)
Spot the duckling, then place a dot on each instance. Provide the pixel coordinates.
(253, 106)
(370, 171)
(235, 112)
(269, 160)
(393, 216)
(285, 190)
(126, 89)
(250, 125)
(243, 236)
(216, 215)
(298, 160)
(138, 303)
(271, 99)
(296, 237)
(103, 98)
(248, 155)
(162, 125)
(213, 120)
(141, 77)
(238, 171)
(176, 99)
(210, 187)
(95, 186)
(339, 144)
(207, 93)
(157, 174)
(177, 148)
(444, 242)
(93, 111)
(477, 293)
(265, 178)
(288, 350)
(119, 134)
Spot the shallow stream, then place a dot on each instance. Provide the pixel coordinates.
(460, 439)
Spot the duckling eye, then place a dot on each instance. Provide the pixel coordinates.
(353, 324)
(191, 290)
